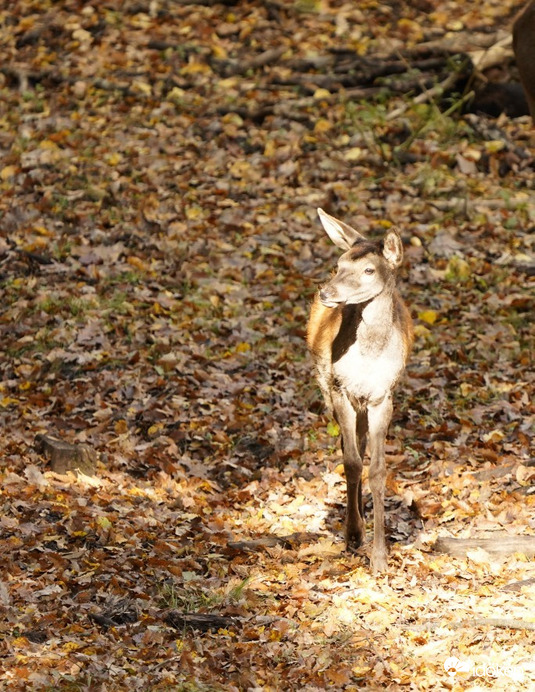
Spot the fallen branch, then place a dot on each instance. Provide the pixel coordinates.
(499, 544)
(200, 621)
(462, 42)
(463, 205)
(506, 623)
(292, 109)
(519, 585)
(266, 58)
(497, 54)
(287, 542)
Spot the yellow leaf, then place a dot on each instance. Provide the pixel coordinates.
(142, 20)
(465, 388)
(36, 245)
(361, 671)
(353, 154)
(322, 125)
(193, 212)
(493, 436)
(121, 427)
(455, 25)
(154, 429)
(472, 153)
(439, 17)
(458, 269)
(400, 674)
(410, 29)
(137, 263)
(176, 93)
(20, 641)
(104, 523)
(494, 145)
(270, 148)
(70, 646)
(322, 94)
(142, 87)
(195, 68)
(229, 83)
(7, 172)
(436, 565)
(232, 118)
(41, 230)
(333, 429)
(114, 158)
(295, 504)
(421, 332)
(47, 144)
(428, 316)
(219, 52)
(240, 169)
(243, 347)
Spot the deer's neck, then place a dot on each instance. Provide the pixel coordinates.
(377, 322)
(369, 324)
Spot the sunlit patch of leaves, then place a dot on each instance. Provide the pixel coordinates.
(163, 250)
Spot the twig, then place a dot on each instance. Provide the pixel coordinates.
(236, 67)
(425, 96)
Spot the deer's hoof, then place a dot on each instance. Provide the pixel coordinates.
(379, 562)
(354, 540)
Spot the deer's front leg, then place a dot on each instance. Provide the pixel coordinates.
(379, 417)
(347, 420)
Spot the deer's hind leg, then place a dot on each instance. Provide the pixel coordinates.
(362, 439)
(379, 417)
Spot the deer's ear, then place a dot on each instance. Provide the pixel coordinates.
(339, 232)
(393, 248)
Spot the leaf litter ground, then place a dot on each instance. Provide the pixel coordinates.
(160, 248)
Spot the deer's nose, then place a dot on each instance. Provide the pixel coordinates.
(325, 295)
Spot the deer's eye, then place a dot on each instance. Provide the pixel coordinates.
(369, 270)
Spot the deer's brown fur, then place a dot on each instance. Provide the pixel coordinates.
(360, 336)
(524, 49)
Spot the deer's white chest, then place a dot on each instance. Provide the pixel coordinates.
(370, 373)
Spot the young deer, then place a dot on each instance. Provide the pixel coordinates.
(360, 335)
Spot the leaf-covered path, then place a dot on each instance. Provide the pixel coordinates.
(159, 177)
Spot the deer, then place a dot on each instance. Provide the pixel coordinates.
(524, 50)
(360, 335)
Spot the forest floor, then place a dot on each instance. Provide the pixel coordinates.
(159, 251)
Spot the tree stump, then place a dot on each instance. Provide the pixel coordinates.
(64, 457)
